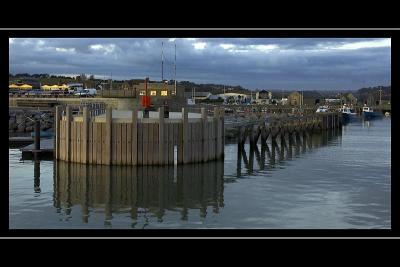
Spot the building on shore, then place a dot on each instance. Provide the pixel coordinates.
(198, 95)
(235, 98)
(20, 86)
(160, 92)
(295, 98)
(54, 87)
(263, 97)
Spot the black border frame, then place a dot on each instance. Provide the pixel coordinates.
(185, 32)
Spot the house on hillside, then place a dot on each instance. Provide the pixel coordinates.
(263, 97)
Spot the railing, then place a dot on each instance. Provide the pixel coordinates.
(118, 93)
(94, 108)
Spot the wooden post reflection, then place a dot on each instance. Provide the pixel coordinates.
(250, 164)
(150, 188)
(239, 160)
(289, 152)
(273, 153)
(282, 148)
(85, 192)
(36, 176)
(108, 177)
(68, 203)
(304, 144)
(262, 159)
(258, 158)
(56, 187)
(134, 192)
(298, 143)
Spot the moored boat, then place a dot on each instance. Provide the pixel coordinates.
(348, 114)
(369, 113)
(322, 109)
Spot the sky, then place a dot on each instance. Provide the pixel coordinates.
(254, 63)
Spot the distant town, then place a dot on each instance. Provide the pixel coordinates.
(88, 85)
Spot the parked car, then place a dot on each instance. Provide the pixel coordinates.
(87, 92)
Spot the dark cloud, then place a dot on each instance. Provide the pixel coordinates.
(284, 63)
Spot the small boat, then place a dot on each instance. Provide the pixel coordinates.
(348, 114)
(387, 114)
(322, 109)
(369, 113)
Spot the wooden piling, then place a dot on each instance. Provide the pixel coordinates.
(134, 137)
(204, 140)
(161, 127)
(85, 126)
(185, 135)
(170, 144)
(68, 113)
(139, 143)
(145, 127)
(93, 141)
(108, 137)
(57, 119)
(220, 138)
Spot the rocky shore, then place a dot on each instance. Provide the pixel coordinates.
(23, 121)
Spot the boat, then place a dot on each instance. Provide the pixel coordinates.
(348, 114)
(369, 113)
(322, 109)
(387, 114)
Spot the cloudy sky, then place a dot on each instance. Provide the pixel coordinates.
(263, 63)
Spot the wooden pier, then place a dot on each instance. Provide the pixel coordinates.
(44, 153)
(16, 142)
(126, 138)
(284, 125)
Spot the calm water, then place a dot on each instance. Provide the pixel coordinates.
(337, 180)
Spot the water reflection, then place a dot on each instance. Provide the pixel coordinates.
(367, 124)
(276, 152)
(151, 191)
(138, 191)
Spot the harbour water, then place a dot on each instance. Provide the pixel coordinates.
(338, 180)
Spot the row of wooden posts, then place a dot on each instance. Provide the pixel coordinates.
(86, 139)
(316, 122)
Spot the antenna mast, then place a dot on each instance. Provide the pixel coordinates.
(162, 61)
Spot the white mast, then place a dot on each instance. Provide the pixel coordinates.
(175, 70)
(162, 61)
